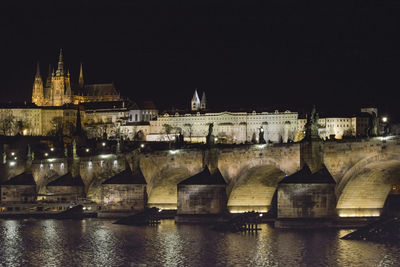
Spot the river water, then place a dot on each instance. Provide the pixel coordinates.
(95, 242)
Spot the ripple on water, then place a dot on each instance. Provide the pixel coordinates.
(94, 242)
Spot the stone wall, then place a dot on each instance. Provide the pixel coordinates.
(306, 200)
(251, 171)
(201, 199)
(47, 170)
(18, 193)
(64, 193)
(123, 197)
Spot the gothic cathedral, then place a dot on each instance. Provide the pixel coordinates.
(58, 89)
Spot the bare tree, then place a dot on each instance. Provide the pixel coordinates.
(57, 123)
(167, 129)
(189, 129)
(7, 122)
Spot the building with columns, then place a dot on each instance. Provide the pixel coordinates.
(227, 126)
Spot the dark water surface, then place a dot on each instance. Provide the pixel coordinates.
(94, 242)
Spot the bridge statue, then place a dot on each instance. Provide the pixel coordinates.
(312, 125)
(210, 137)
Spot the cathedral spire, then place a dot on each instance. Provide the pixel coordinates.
(60, 69)
(37, 70)
(203, 101)
(37, 91)
(81, 83)
(195, 103)
(48, 80)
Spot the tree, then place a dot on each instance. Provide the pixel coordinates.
(139, 136)
(7, 122)
(189, 130)
(69, 128)
(57, 126)
(167, 129)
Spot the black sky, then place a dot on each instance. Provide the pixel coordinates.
(277, 53)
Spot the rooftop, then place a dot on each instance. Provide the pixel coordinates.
(67, 180)
(21, 179)
(304, 176)
(205, 178)
(127, 177)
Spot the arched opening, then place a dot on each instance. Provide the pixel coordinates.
(163, 193)
(366, 191)
(254, 189)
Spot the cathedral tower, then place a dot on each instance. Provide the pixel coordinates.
(60, 92)
(203, 102)
(37, 92)
(57, 89)
(195, 104)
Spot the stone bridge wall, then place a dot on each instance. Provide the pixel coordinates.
(163, 170)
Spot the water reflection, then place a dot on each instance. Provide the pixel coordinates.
(11, 238)
(94, 242)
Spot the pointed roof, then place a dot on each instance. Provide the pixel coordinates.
(81, 82)
(127, 177)
(203, 98)
(205, 178)
(21, 179)
(37, 70)
(48, 80)
(297, 177)
(323, 176)
(60, 68)
(304, 176)
(67, 180)
(195, 96)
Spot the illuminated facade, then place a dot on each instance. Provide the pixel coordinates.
(339, 127)
(58, 89)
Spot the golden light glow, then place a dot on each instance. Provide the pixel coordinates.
(248, 209)
(360, 213)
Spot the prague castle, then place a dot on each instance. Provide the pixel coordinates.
(59, 90)
(105, 114)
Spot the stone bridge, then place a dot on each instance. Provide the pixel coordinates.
(365, 171)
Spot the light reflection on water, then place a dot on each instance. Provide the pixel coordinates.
(94, 242)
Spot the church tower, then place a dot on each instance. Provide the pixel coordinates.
(81, 83)
(37, 92)
(60, 85)
(195, 104)
(203, 102)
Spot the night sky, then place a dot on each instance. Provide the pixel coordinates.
(285, 54)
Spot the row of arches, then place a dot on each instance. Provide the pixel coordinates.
(362, 192)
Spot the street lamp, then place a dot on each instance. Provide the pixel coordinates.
(87, 149)
(142, 145)
(46, 154)
(103, 144)
(384, 119)
(52, 149)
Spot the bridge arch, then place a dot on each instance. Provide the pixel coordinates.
(162, 191)
(363, 190)
(254, 187)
